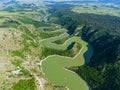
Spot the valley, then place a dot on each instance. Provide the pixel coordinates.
(59, 45)
(58, 73)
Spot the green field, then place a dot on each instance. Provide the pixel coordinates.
(25, 85)
(97, 9)
(19, 37)
(31, 35)
(55, 67)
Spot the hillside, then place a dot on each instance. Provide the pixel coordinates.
(103, 32)
(22, 27)
(59, 45)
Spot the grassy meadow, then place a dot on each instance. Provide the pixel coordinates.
(97, 9)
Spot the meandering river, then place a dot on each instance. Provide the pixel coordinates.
(54, 66)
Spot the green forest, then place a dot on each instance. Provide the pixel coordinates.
(102, 31)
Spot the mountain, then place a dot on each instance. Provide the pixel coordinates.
(113, 1)
(103, 33)
(13, 1)
(104, 1)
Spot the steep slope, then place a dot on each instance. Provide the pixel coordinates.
(103, 32)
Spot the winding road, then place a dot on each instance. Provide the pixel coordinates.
(55, 67)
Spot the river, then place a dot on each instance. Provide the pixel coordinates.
(54, 66)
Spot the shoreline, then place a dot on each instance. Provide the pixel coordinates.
(41, 62)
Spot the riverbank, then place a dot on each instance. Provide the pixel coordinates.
(53, 67)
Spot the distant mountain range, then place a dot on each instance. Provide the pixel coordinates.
(106, 1)
(113, 1)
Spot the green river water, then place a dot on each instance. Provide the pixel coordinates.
(54, 66)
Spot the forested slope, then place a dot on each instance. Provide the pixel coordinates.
(103, 32)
